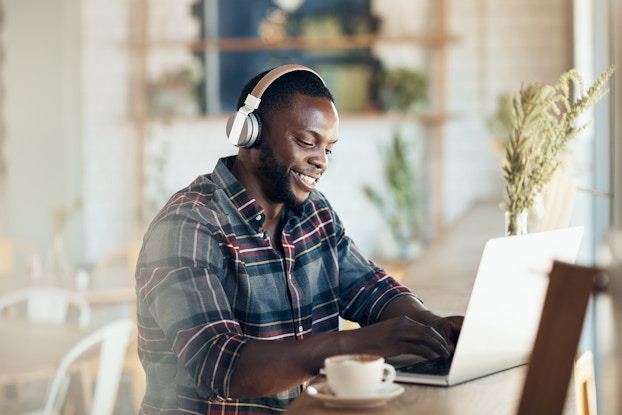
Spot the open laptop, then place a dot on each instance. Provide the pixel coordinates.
(504, 309)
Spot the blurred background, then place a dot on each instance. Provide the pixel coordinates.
(107, 107)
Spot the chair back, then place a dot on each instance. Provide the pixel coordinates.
(124, 256)
(19, 256)
(559, 197)
(113, 339)
(47, 304)
(557, 339)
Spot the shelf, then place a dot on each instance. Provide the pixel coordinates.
(436, 41)
(429, 119)
(306, 43)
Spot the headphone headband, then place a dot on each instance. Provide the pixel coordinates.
(243, 128)
(276, 73)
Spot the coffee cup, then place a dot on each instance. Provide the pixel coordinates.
(355, 375)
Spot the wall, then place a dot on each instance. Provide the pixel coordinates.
(42, 117)
(500, 45)
(617, 120)
(110, 146)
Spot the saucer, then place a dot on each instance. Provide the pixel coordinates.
(322, 392)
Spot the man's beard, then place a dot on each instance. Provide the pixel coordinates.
(278, 175)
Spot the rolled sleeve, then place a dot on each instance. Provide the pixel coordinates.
(365, 288)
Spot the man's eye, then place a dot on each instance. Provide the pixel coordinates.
(304, 143)
(329, 152)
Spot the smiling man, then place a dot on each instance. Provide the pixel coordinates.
(244, 273)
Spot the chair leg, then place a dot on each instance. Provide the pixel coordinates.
(584, 383)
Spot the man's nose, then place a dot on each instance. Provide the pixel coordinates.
(319, 159)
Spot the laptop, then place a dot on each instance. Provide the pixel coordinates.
(504, 309)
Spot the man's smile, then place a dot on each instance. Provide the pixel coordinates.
(309, 181)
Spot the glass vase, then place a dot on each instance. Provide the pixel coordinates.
(516, 223)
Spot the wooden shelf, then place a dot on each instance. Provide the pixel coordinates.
(436, 40)
(429, 119)
(304, 43)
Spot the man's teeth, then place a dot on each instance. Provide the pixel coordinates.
(308, 179)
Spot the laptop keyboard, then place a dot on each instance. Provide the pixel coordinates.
(438, 366)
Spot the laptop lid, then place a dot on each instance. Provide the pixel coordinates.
(505, 305)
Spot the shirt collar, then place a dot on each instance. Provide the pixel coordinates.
(248, 207)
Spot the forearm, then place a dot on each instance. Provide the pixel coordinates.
(267, 367)
(407, 305)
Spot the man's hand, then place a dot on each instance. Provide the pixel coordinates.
(449, 328)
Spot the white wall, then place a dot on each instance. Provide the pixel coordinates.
(110, 145)
(500, 45)
(42, 115)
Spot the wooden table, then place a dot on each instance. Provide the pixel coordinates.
(443, 277)
(34, 350)
(496, 394)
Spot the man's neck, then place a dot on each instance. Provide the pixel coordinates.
(273, 211)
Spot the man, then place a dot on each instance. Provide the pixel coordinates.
(244, 273)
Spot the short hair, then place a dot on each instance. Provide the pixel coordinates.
(280, 92)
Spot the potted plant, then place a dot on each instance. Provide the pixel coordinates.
(402, 89)
(399, 200)
(544, 120)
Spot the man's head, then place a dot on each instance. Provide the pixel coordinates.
(299, 128)
(270, 90)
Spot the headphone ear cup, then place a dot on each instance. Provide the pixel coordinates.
(248, 134)
(253, 130)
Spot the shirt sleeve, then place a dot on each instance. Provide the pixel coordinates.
(365, 289)
(179, 282)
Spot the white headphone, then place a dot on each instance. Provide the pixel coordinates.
(244, 127)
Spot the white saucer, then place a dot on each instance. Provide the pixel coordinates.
(322, 392)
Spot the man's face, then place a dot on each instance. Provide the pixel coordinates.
(295, 146)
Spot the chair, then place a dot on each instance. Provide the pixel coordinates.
(559, 197)
(46, 304)
(125, 257)
(557, 339)
(585, 383)
(17, 255)
(113, 339)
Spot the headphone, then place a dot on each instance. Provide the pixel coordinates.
(244, 127)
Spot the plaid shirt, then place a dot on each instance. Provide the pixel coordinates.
(208, 280)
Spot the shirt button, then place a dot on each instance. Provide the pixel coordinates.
(258, 218)
(300, 329)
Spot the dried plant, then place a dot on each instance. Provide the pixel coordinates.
(544, 120)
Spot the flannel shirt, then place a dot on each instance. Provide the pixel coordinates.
(208, 280)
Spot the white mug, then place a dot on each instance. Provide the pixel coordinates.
(355, 375)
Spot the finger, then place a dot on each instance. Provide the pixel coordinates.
(426, 339)
(450, 327)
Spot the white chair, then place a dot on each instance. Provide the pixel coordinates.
(113, 339)
(124, 258)
(46, 304)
